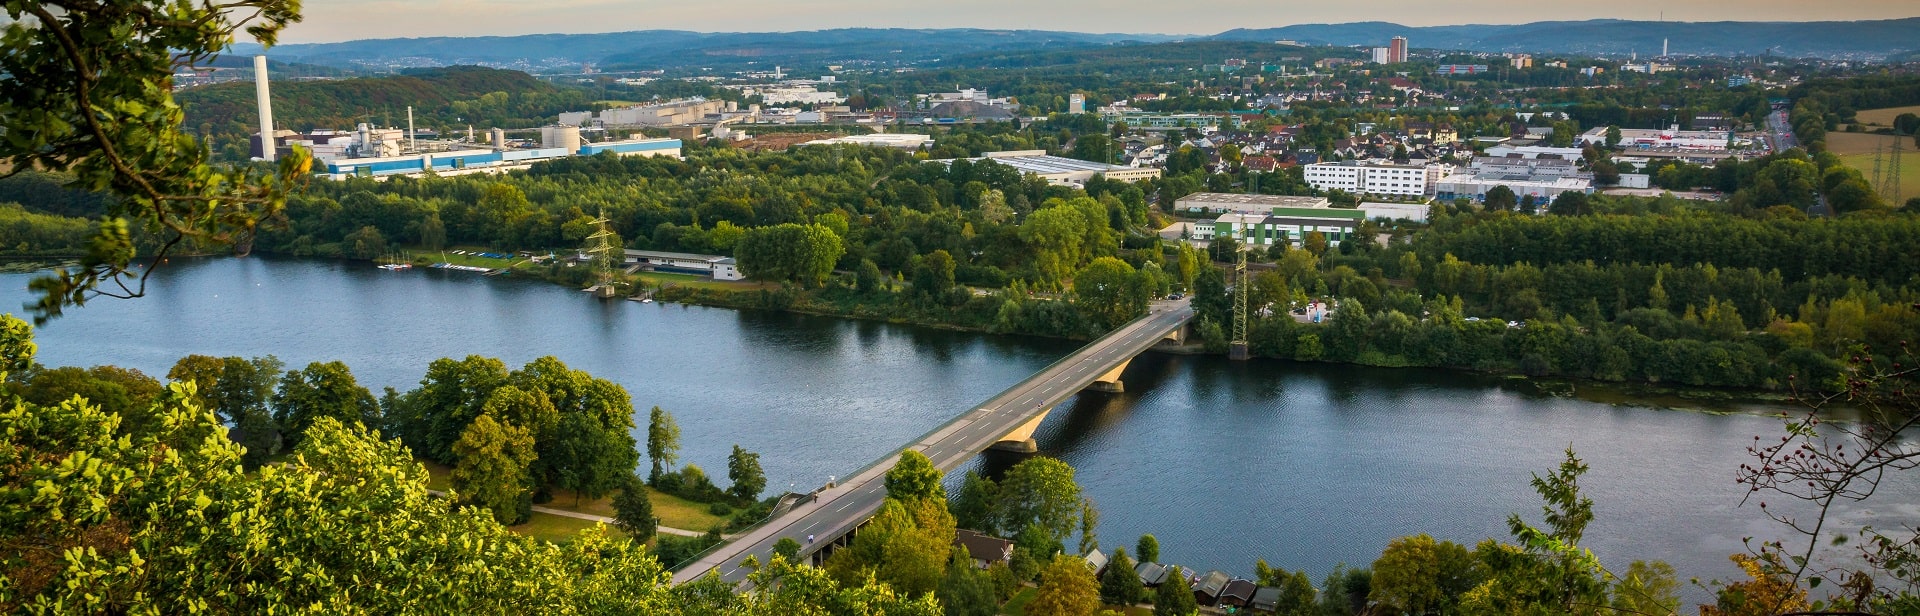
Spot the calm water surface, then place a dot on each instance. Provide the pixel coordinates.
(1304, 465)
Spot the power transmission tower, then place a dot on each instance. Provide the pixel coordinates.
(1879, 180)
(1893, 169)
(604, 257)
(1237, 348)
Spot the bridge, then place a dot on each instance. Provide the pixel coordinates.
(1006, 421)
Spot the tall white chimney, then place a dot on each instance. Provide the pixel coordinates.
(266, 107)
(412, 144)
(1663, 48)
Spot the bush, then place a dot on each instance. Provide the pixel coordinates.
(720, 509)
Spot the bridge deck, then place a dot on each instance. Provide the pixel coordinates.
(840, 509)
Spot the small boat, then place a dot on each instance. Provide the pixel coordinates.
(394, 267)
(647, 301)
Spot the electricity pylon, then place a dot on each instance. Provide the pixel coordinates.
(1892, 187)
(604, 257)
(1237, 348)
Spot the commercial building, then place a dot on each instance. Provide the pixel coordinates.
(1059, 170)
(1670, 139)
(1152, 120)
(670, 113)
(1374, 178)
(1521, 61)
(1414, 212)
(1535, 151)
(1233, 203)
(797, 95)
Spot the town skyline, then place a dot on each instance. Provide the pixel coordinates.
(346, 20)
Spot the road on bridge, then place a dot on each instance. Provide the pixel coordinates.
(843, 507)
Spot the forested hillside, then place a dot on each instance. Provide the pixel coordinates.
(443, 98)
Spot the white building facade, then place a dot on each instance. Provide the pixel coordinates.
(1374, 178)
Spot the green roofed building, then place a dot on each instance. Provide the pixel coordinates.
(1288, 224)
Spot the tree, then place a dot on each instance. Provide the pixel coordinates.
(101, 109)
(934, 276)
(743, 467)
(663, 442)
(322, 390)
(1570, 203)
(868, 278)
(492, 470)
(450, 396)
(1148, 548)
(1040, 491)
(993, 207)
(1613, 136)
(975, 507)
(1175, 596)
(1094, 147)
(1315, 242)
(1647, 588)
(914, 478)
(1089, 523)
(966, 591)
(586, 458)
(1407, 575)
(787, 548)
(633, 510)
(789, 252)
(1120, 585)
(1111, 292)
(1066, 589)
(237, 391)
(1566, 513)
(1501, 199)
(1529, 205)
(1055, 234)
(906, 545)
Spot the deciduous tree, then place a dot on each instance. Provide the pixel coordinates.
(1066, 589)
(743, 467)
(1040, 491)
(323, 389)
(492, 470)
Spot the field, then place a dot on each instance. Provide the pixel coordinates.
(673, 511)
(1856, 150)
(1883, 118)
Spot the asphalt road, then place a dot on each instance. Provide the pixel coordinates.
(856, 498)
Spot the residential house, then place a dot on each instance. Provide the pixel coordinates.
(1238, 593)
(1211, 585)
(985, 549)
(1265, 599)
(1152, 575)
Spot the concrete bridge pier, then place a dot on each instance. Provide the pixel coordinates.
(1110, 382)
(1020, 440)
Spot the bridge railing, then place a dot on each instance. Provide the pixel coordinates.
(894, 455)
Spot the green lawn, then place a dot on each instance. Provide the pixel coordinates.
(555, 528)
(655, 279)
(1017, 606)
(1909, 171)
(673, 511)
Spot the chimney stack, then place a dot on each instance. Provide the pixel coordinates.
(267, 144)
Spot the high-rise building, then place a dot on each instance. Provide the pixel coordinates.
(1382, 55)
(1397, 50)
(1076, 103)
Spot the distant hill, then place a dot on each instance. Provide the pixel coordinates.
(651, 49)
(1822, 39)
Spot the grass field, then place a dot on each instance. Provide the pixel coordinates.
(1856, 150)
(555, 528)
(1884, 117)
(655, 279)
(673, 511)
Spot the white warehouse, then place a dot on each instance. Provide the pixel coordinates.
(1374, 178)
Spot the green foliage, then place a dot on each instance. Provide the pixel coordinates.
(1120, 585)
(663, 442)
(1066, 589)
(492, 472)
(1175, 596)
(966, 591)
(906, 546)
(1148, 547)
(974, 507)
(237, 391)
(1040, 491)
(323, 389)
(914, 478)
(1418, 575)
(101, 109)
(789, 252)
(1111, 292)
(633, 510)
(743, 468)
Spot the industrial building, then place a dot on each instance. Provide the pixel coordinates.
(1234, 203)
(1670, 139)
(904, 141)
(670, 113)
(1461, 69)
(1153, 120)
(1059, 170)
(1287, 224)
(1543, 178)
(489, 161)
(1374, 178)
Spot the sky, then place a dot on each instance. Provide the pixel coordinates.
(342, 20)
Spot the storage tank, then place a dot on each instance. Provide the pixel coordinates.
(499, 139)
(563, 137)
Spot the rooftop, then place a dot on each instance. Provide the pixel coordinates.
(1243, 199)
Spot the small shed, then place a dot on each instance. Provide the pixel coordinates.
(1152, 575)
(1265, 599)
(985, 549)
(1207, 592)
(1238, 593)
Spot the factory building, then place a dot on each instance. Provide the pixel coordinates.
(487, 161)
(1059, 170)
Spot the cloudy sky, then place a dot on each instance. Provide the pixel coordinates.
(340, 20)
